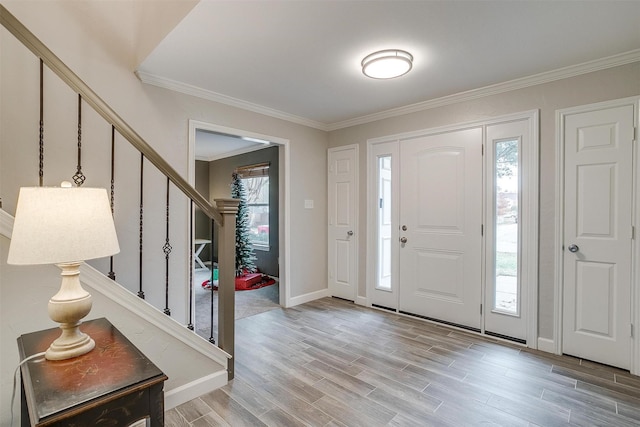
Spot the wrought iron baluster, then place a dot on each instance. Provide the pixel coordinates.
(112, 274)
(79, 177)
(41, 138)
(190, 325)
(167, 251)
(140, 292)
(211, 339)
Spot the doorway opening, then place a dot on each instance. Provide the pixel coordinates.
(260, 162)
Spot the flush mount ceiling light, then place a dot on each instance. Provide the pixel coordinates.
(387, 64)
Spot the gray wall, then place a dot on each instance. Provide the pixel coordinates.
(202, 222)
(613, 83)
(104, 56)
(220, 186)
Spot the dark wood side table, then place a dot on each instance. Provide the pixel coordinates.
(112, 385)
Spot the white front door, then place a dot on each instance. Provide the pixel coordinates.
(598, 173)
(343, 215)
(440, 226)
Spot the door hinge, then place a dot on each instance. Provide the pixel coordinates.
(633, 232)
(635, 134)
(631, 330)
(480, 309)
(380, 203)
(482, 229)
(483, 150)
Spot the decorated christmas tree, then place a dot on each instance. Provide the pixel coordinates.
(245, 257)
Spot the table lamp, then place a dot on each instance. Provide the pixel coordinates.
(64, 226)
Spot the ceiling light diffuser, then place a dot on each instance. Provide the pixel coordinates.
(387, 64)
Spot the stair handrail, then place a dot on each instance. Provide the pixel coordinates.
(55, 64)
(225, 208)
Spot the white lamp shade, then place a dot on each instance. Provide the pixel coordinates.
(56, 225)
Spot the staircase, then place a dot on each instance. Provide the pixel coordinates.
(146, 290)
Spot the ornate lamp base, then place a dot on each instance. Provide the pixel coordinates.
(68, 307)
(72, 343)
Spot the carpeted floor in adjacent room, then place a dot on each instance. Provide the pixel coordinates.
(248, 303)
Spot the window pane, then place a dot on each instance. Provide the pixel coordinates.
(257, 190)
(507, 188)
(259, 224)
(384, 223)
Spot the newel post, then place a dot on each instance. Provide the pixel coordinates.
(228, 208)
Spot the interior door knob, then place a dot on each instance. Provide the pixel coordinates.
(403, 240)
(349, 233)
(573, 248)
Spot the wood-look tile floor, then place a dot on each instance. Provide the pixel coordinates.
(332, 363)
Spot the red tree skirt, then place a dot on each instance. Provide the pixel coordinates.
(246, 282)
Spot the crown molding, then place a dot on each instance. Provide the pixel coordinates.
(188, 89)
(536, 79)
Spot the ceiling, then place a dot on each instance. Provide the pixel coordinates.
(300, 60)
(210, 146)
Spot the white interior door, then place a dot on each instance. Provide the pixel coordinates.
(343, 215)
(598, 172)
(440, 226)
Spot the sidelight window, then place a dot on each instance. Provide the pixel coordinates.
(384, 223)
(506, 226)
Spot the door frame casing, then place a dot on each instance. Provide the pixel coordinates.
(530, 235)
(284, 198)
(355, 238)
(559, 226)
(373, 151)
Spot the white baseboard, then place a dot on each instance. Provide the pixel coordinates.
(194, 389)
(311, 296)
(98, 282)
(546, 344)
(361, 301)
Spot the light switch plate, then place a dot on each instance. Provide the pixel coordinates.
(308, 204)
